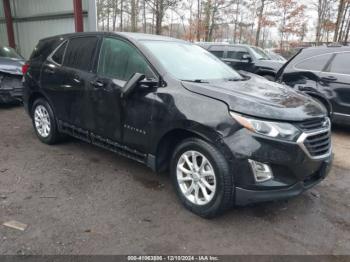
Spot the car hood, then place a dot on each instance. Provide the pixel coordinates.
(11, 66)
(274, 65)
(259, 97)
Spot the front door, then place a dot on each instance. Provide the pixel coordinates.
(125, 120)
(337, 79)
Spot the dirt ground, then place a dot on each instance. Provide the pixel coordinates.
(79, 199)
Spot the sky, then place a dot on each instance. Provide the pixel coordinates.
(311, 15)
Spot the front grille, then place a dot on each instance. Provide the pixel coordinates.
(316, 137)
(318, 144)
(314, 124)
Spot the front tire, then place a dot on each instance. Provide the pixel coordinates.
(44, 122)
(201, 178)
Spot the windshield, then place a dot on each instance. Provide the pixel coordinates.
(260, 54)
(187, 61)
(9, 53)
(275, 56)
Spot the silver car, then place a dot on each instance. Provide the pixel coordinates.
(10, 75)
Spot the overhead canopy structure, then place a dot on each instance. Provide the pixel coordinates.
(23, 23)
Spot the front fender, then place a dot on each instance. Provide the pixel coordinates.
(322, 98)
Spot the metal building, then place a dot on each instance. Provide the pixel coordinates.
(24, 22)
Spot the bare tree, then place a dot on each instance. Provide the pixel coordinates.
(134, 14)
(291, 13)
(339, 20)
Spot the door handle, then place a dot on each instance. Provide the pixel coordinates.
(329, 78)
(76, 79)
(97, 84)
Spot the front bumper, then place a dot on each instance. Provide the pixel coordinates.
(247, 196)
(294, 171)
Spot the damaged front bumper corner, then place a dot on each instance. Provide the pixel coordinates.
(11, 88)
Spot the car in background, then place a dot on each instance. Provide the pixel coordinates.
(245, 57)
(275, 56)
(10, 75)
(323, 73)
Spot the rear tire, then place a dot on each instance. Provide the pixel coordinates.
(44, 122)
(201, 178)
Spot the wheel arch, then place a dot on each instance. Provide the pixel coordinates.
(167, 144)
(33, 97)
(323, 100)
(170, 139)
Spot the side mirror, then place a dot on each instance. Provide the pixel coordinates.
(148, 83)
(247, 58)
(131, 84)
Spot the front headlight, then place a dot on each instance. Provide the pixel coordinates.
(278, 130)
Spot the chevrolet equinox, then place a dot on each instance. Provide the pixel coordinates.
(226, 138)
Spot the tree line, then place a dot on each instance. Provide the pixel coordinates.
(236, 21)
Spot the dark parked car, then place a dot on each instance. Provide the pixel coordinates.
(227, 138)
(10, 75)
(323, 73)
(245, 57)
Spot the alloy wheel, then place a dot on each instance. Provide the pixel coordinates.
(42, 121)
(196, 177)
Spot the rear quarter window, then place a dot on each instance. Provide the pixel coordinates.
(44, 48)
(57, 57)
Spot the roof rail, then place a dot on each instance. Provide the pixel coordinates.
(334, 45)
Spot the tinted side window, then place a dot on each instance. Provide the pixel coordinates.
(316, 63)
(219, 54)
(217, 50)
(58, 55)
(44, 49)
(120, 60)
(340, 64)
(80, 52)
(237, 53)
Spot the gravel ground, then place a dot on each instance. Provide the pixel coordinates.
(79, 199)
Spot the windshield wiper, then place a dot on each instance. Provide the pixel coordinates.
(195, 80)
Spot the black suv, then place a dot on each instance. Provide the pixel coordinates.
(245, 57)
(227, 138)
(323, 73)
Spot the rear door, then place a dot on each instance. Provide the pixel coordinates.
(337, 80)
(236, 58)
(67, 74)
(306, 73)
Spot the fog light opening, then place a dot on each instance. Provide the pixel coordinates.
(262, 172)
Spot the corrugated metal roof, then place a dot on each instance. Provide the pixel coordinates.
(34, 20)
